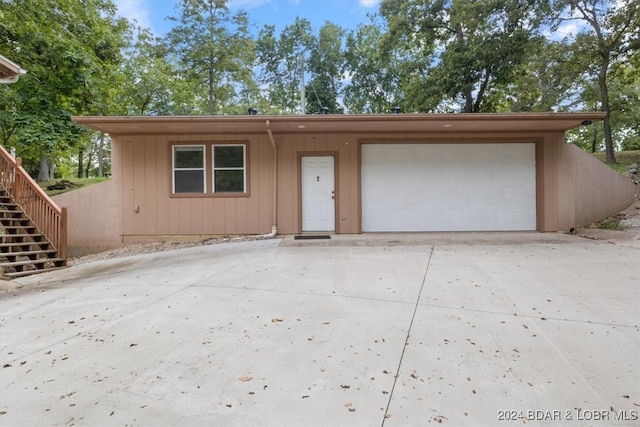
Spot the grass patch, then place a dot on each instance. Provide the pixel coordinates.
(60, 186)
(610, 224)
(623, 158)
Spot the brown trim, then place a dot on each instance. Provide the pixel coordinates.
(336, 186)
(390, 124)
(208, 165)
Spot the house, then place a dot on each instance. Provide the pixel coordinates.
(191, 177)
(10, 72)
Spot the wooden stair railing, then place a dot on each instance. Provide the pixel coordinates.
(35, 228)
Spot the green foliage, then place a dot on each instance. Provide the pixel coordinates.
(69, 49)
(212, 46)
(605, 40)
(610, 224)
(468, 48)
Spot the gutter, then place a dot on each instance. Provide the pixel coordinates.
(274, 193)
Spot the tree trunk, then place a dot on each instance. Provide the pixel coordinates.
(101, 155)
(604, 95)
(211, 96)
(43, 173)
(80, 161)
(52, 169)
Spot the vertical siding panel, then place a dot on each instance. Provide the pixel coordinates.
(196, 216)
(139, 165)
(218, 216)
(354, 184)
(184, 216)
(174, 216)
(230, 216)
(151, 192)
(255, 172)
(128, 196)
(267, 184)
(286, 177)
(163, 185)
(242, 207)
(207, 216)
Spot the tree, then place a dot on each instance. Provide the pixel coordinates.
(325, 64)
(214, 53)
(609, 35)
(282, 59)
(470, 47)
(151, 83)
(70, 50)
(298, 56)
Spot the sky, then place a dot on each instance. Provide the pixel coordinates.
(345, 13)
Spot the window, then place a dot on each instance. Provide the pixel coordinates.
(229, 169)
(188, 169)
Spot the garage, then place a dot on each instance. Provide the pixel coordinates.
(407, 187)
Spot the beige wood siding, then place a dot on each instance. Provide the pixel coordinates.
(149, 209)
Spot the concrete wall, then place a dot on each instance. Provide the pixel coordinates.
(94, 218)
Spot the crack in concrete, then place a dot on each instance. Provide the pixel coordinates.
(406, 340)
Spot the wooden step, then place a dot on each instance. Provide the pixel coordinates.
(15, 219)
(28, 253)
(14, 244)
(4, 208)
(30, 262)
(17, 227)
(14, 274)
(13, 236)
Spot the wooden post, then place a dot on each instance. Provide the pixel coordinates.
(16, 180)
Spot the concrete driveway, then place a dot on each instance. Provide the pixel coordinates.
(485, 329)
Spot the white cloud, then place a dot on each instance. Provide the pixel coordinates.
(247, 4)
(369, 3)
(134, 10)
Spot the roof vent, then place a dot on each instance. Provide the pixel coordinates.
(253, 111)
(324, 110)
(395, 110)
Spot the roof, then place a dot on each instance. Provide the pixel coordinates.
(380, 123)
(9, 71)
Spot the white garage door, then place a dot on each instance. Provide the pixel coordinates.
(448, 187)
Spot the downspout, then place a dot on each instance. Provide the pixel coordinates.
(274, 192)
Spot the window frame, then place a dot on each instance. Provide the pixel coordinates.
(243, 168)
(174, 169)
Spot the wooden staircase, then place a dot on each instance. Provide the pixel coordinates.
(32, 226)
(24, 249)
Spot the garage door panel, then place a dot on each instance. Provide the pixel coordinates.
(448, 187)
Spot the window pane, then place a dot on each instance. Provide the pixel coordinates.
(229, 181)
(189, 157)
(189, 181)
(228, 157)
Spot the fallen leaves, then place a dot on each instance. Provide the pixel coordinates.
(245, 378)
(277, 320)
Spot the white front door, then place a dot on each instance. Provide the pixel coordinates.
(318, 193)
